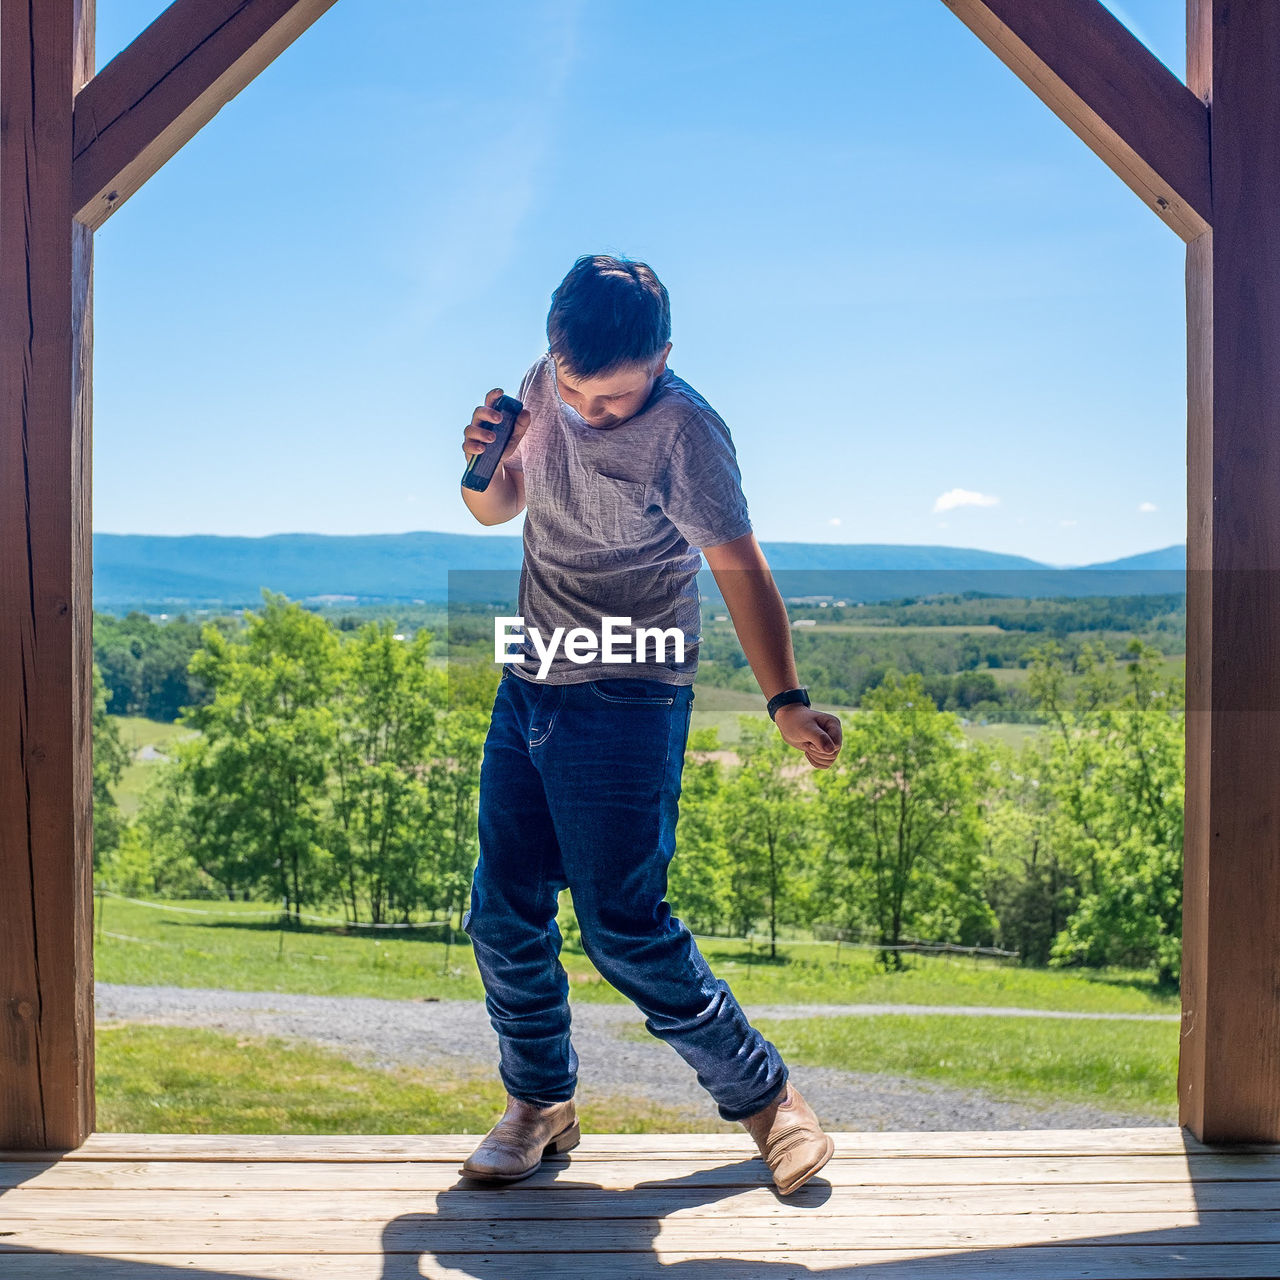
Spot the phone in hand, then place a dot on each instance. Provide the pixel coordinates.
(481, 466)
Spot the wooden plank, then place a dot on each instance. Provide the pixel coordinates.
(46, 901)
(785, 1229)
(1112, 92)
(449, 1147)
(1229, 1070)
(554, 1175)
(1044, 1262)
(573, 1201)
(156, 94)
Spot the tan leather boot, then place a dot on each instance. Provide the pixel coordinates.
(790, 1140)
(516, 1145)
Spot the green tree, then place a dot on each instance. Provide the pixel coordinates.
(1027, 869)
(701, 873)
(145, 663)
(109, 760)
(1116, 766)
(157, 854)
(769, 826)
(900, 807)
(388, 720)
(455, 780)
(258, 772)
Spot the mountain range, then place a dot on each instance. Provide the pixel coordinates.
(212, 571)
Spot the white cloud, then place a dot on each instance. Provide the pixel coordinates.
(963, 498)
(834, 520)
(1147, 507)
(1067, 524)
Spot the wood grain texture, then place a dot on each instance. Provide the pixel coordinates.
(1112, 92)
(444, 1148)
(1229, 1074)
(722, 1237)
(156, 94)
(1036, 1214)
(577, 1203)
(235, 1173)
(1041, 1262)
(46, 1036)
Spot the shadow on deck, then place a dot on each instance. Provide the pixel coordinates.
(1031, 1204)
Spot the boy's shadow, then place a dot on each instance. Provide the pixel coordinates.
(493, 1233)
(529, 1228)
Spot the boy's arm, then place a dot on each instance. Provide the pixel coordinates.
(764, 631)
(503, 499)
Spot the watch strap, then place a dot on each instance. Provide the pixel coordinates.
(787, 695)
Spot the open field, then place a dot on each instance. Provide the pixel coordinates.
(892, 629)
(157, 1079)
(1012, 735)
(147, 742)
(1129, 1066)
(235, 948)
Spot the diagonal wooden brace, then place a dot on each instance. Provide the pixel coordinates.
(155, 95)
(1112, 92)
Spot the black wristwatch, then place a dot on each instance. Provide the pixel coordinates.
(787, 695)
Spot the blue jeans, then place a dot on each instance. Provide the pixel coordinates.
(579, 789)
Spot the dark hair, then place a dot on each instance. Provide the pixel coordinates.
(607, 313)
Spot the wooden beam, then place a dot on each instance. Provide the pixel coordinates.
(1229, 1065)
(1112, 92)
(172, 80)
(46, 607)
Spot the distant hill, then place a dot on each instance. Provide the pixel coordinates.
(1169, 560)
(143, 571)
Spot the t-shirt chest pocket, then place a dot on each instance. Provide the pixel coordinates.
(613, 509)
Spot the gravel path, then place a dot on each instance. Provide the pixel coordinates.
(455, 1035)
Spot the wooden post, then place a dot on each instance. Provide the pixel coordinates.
(1229, 1065)
(46, 607)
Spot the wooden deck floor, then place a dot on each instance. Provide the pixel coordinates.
(1035, 1205)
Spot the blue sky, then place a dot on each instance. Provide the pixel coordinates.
(928, 313)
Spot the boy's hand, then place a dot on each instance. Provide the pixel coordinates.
(816, 733)
(476, 434)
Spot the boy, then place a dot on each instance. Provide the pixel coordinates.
(625, 473)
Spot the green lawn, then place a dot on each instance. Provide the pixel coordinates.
(1119, 1066)
(186, 1080)
(1012, 735)
(718, 708)
(236, 949)
(714, 707)
(138, 733)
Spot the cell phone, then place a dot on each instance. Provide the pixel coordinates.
(481, 466)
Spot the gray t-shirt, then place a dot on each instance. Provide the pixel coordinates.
(614, 520)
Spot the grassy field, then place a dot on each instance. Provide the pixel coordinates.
(1119, 1066)
(908, 629)
(718, 708)
(156, 1079)
(137, 733)
(186, 1080)
(234, 948)
(1012, 735)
